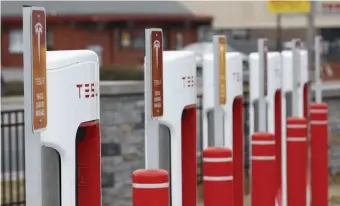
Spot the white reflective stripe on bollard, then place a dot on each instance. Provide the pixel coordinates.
(319, 111)
(262, 158)
(296, 126)
(263, 142)
(216, 159)
(150, 186)
(296, 139)
(319, 122)
(221, 178)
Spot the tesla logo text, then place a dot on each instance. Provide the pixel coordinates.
(277, 72)
(237, 76)
(188, 81)
(87, 90)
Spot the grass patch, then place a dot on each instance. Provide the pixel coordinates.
(14, 191)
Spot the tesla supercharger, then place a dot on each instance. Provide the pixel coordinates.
(62, 131)
(73, 131)
(233, 121)
(214, 93)
(258, 63)
(170, 100)
(273, 99)
(227, 124)
(234, 92)
(318, 44)
(274, 92)
(272, 112)
(294, 98)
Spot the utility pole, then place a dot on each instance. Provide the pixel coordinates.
(278, 32)
(310, 38)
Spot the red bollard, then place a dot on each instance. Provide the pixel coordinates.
(238, 152)
(319, 154)
(278, 145)
(297, 158)
(150, 188)
(263, 169)
(218, 176)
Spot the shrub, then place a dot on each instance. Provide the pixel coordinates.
(14, 88)
(121, 73)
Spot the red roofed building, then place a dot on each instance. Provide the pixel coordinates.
(115, 30)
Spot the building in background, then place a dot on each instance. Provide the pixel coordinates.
(251, 19)
(246, 21)
(113, 29)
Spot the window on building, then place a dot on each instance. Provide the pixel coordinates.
(331, 43)
(135, 39)
(131, 39)
(16, 41)
(49, 39)
(205, 33)
(240, 34)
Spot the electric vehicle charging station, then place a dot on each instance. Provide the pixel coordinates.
(215, 91)
(170, 100)
(274, 109)
(233, 89)
(295, 64)
(258, 66)
(265, 98)
(233, 121)
(318, 43)
(208, 100)
(286, 111)
(79, 149)
(223, 94)
(273, 98)
(62, 134)
(295, 96)
(258, 63)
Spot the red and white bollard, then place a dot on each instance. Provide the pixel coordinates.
(263, 169)
(150, 188)
(218, 176)
(319, 154)
(297, 158)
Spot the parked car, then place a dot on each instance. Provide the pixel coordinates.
(201, 48)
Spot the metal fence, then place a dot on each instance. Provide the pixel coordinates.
(12, 158)
(13, 155)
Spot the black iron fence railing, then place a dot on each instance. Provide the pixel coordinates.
(12, 158)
